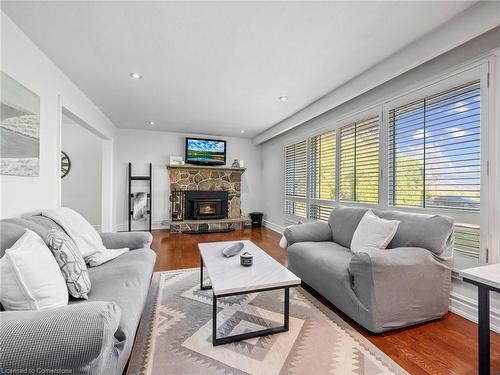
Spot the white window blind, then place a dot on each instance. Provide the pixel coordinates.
(359, 161)
(320, 212)
(434, 151)
(296, 169)
(322, 166)
(468, 239)
(296, 179)
(295, 208)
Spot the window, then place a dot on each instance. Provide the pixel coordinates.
(322, 166)
(296, 178)
(434, 151)
(467, 239)
(359, 161)
(320, 212)
(295, 208)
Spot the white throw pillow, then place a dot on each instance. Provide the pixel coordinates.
(373, 233)
(30, 276)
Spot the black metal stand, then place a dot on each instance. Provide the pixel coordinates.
(483, 294)
(131, 195)
(247, 335)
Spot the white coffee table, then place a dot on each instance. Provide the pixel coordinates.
(229, 278)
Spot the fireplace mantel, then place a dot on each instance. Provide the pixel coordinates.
(204, 167)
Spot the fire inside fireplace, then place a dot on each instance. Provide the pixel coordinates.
(207, 208)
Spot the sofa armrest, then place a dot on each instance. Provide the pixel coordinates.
(308, 232)
(71, 337)
(400, 286)
(132, 240)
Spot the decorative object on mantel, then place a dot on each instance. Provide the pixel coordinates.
(176, 160)
(65, 164)
(236, 163)
(19, 129)
(131, 196)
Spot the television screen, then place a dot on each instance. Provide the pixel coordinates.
(205, 151)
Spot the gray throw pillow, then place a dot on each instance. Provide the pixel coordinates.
(70, 262)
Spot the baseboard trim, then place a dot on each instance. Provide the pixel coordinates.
(274, 227)
(154, 225)
(467, 308)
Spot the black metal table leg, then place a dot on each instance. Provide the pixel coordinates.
(203, 287)
(249, 335)
(484, 330)
(286, 309)
(214, 320)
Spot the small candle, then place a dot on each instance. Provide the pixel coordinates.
(246, 259)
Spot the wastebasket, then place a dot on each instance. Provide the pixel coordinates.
(256, 218)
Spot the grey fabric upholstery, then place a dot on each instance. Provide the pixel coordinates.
(316, 231)
(400, 287)
(132, 240)
(382, 289)
(12, 229)
(125, 281)
(431, 232)
(344, 221)
(93, 336)
(71, 337)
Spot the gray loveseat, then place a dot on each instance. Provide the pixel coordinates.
(405, 284)
(93, 336)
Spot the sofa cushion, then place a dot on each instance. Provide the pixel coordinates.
(124, 280)
(322, 258)
(373, 232)
(431, 232)
(30, 276)
(344, 221)
(70, 262)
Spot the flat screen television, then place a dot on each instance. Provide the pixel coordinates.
(205, 151)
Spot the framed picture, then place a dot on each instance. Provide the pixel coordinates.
(19, 129)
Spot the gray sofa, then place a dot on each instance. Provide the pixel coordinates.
(405, 284)
(93, 336)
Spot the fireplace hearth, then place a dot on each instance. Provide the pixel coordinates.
(200, 205)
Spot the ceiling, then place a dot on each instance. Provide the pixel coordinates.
(219, 67)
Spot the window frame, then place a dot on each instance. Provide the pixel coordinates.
(473, 73)
(486, 217)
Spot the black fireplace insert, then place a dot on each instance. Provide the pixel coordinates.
(205, 204)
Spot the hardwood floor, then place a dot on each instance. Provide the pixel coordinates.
(447, 346)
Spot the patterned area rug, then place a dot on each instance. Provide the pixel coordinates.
(175, 335)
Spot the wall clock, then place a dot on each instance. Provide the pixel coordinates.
(65, 164)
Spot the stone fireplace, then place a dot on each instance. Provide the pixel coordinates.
(190, 178)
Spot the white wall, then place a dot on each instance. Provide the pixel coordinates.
(23, 61)
(81, 188)
(144, 146)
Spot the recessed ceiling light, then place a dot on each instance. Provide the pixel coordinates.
(242, 131)
(151, 122)
(283, 98)
(135, 75)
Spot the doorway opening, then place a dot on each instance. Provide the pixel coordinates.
(81, 169)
